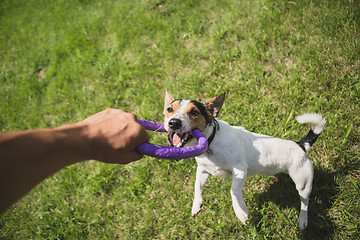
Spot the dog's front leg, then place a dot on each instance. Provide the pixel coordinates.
(238, 182)
(201, 177)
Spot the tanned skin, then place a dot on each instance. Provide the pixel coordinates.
(28, 157)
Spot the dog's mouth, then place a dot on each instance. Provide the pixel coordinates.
(178, 139)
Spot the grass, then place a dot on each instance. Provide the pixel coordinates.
(62, 61)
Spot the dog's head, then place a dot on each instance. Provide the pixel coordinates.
(182, 116)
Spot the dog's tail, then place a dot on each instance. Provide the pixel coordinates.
(317, 126)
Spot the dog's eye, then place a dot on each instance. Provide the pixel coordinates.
(170, 110)
(193, 112)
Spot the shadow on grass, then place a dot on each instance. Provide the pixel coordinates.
(284, 194)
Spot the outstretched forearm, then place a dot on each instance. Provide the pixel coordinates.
(28, 157)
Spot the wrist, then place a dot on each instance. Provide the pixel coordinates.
(73, 141)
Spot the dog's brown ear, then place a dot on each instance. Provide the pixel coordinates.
(214, 105)
(168, 99)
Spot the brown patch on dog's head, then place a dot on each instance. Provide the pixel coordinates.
(171, 105)
(172, 108)
(197, 116)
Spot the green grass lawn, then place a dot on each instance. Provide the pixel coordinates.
(62, 60)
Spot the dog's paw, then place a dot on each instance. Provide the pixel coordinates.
(242, 216)
(303, 220)
(245, 218)
(196, 208)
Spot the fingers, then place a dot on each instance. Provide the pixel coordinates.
(128, 158)
(137, 135)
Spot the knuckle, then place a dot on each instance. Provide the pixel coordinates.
(131, 116)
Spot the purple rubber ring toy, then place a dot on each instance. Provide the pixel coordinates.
(168, 152)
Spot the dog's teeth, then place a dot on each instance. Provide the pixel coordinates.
(185, 137)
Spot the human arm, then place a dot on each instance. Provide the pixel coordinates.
(28, 157)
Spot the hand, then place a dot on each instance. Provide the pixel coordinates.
(112, 136)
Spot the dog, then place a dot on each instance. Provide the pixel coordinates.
(236, 153)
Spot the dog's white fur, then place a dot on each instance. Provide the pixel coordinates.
(236, 153)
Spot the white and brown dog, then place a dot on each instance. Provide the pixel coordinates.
(236, 153)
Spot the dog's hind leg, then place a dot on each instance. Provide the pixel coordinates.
(303, 178)
(238, 182)
(201, 177)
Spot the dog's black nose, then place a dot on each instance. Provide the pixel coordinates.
(175, 123)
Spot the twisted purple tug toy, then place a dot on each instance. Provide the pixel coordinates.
(167, 152)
